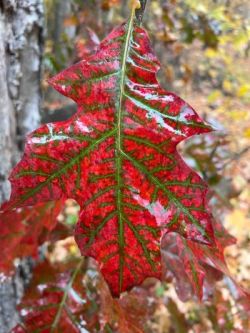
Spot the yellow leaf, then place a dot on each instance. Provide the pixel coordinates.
(239, 224)
(227, 86)
(73, 249)
(243, 90)
(214, 96)
(247, 133)
(211, 53)
(239, 115)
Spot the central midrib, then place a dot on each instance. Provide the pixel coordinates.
(119, 150)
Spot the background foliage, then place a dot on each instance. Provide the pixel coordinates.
(204, 51)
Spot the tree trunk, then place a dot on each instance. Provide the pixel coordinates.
(21, 35)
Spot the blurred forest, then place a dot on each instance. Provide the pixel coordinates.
(204, 49)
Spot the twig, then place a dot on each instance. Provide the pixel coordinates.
(139, 12)
(65, 296)
(235, 157)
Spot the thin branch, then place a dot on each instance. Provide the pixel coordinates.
(139, 12)
(65, 296)
(234, 157)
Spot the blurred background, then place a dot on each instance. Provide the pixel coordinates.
(204, 49)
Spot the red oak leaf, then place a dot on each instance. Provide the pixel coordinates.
(117, 158)
(203, 265)
(24, 229)
(196, 267)
(59, 300)
(55, 300)
(84, 47)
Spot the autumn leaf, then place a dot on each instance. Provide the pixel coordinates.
(196, 267)
(60, 298)
(115, 317)
(55, 300)
(117, 158)
(87, 47)
(24, 229)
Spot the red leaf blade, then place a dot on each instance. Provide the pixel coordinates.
(117, 158)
